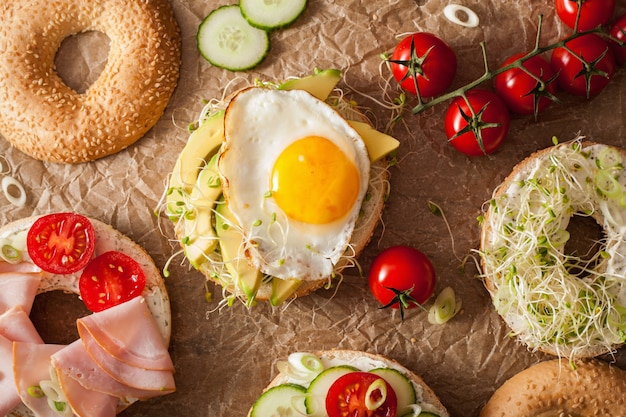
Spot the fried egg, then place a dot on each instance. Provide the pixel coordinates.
(294, 175)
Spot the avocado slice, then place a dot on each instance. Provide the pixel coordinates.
(378, 144)
(202, 143)
(320, 84)
(283, 289)
(247, 278)
(199, 236)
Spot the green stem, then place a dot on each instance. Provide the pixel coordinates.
(489, 74)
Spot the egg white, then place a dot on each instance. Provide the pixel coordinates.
(259, 124)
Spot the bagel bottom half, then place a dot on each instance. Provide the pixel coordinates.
(213, 265)
(365, 361)
(556, 388)
(557, 298)
(107, 239)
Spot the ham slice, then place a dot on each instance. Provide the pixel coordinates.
(74, 362)
(15, 325)
(129, 333)
(126, 374)
(18, 267)
(84, 402)
(31, 365)
(9, 398)
(18, 289)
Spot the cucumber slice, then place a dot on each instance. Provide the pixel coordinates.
(276, 400)
(404, 389)
(228, 41)
(271, 15)
(318, 389)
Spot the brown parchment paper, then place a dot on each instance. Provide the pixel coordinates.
(224, 357)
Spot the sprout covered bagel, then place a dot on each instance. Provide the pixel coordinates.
(554, 301)
(279, 188)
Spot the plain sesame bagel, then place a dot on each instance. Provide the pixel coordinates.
(43, 117)
(566, 304)
(556, 388)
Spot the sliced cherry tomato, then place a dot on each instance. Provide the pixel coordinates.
(110, 279)
(401, 277)
(424, 62)
(61, 243)
(593, 13)
(618, 31)
(482, 129)
(587, 69)
(525, 93)
(360, 394)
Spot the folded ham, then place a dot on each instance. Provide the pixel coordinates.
(18, 289)
(31, 366)
(129, 333)
(15, 325)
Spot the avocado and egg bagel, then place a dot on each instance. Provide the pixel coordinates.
(279, 188)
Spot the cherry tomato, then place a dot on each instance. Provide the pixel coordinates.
(61, 243)
(347, 396)
(593, 13)
(522, 93)
(480, 133)
(401, 277)
(425, 62)
(618, 31)
(588, 70)
(110, 279)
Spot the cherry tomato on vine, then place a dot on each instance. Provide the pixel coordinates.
(348, 396)
(618, 31)
(587, 69)
(110, 279)
(593, 12)
(524, 93)
(401, 277)
(61, 243)
(424, 62)
(480, 130)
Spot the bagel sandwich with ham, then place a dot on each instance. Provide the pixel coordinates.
(279, 188)
(108, 367)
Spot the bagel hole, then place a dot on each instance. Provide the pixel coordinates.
(81, 58)
(585, 239)
(54, 315)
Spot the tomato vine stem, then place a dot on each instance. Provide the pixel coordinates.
(518, 63)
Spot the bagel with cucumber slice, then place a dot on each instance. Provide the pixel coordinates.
(336, 383)
(279, 188)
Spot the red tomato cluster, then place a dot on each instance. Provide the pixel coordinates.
(477, 122)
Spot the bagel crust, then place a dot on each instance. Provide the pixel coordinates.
(553, 388)
(46, 119)
(554, 301)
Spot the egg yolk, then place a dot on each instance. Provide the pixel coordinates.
(313, 181)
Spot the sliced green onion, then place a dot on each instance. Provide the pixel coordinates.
(609, 157)
(376, 394)
(607, 184)
(14, 191)
(35, 391)
(445, 307)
